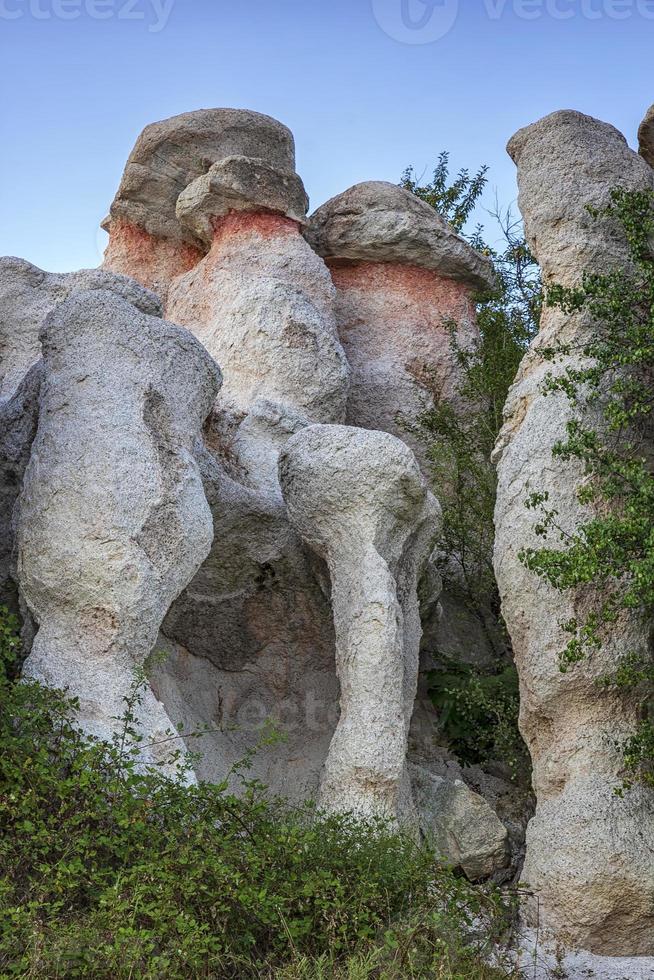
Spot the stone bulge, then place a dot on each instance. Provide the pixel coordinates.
(237, 487)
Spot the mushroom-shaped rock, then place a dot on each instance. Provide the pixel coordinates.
(402, 277)
(590, 856)
(380, 222)
(240, 184)
(262, 303)
(646, 136)
(28, 295)
(145, 238)
(112, 521)
(360, 502)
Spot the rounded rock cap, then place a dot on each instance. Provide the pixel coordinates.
(240, 183)
(561, 126)
(170, 154)
(376, 221)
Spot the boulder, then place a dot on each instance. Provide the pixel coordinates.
(380, 222)
(460, 824)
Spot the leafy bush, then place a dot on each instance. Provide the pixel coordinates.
(478, 714)
(461, 439)
(108, 870)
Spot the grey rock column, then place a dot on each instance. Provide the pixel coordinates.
(358, 499)
(113, 521)
(590, 855)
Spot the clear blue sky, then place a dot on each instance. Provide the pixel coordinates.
(365, 85)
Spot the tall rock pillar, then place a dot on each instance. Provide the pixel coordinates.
(590, 854)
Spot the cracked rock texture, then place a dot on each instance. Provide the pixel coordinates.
(360, 502)
(113, 521)
(145, 238)
(590, 855)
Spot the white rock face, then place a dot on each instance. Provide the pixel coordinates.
(28, 295)
(113, 521)
(359, 500)
(590, 855)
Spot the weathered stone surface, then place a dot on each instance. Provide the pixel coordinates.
(113, 521)
(146, 240)
(460, 824)
(19, 415)
(251, 639)
(28, 295)
(152, 261)
(380, 222)
(360, 502)
(590, 856)
(168, 155)
(394, 323)
(240, 184)
(261, 302)
(646, 136)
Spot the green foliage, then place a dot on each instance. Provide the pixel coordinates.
(478, 713)
(462, 438)
(111, 870)
(455, 201)
(609, 384)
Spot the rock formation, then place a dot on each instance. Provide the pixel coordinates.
(113, 522)
(590, 855)
(646, 136)
(145, 239)
(403, 278)
(122, 454)
(27, 296)
(358, 499)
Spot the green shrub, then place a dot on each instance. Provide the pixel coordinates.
(108, 870)
(478, 714)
